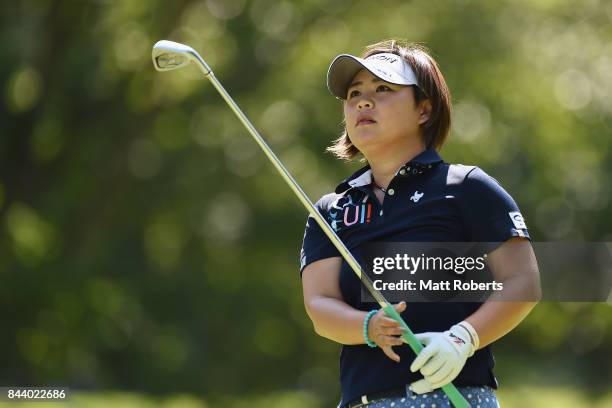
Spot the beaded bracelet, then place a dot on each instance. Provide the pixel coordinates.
(365, 328)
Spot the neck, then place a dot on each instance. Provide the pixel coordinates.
(386, 164)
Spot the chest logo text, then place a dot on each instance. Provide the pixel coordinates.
(349, 214)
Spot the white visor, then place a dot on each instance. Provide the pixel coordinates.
(389, 67)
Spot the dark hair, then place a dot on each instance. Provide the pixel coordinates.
(432, 86)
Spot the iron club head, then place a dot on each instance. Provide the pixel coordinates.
(169, 55)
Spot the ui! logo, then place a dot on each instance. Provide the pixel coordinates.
(517, 220)
(348, 213)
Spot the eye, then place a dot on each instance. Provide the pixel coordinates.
(383, 88)
(352, 93)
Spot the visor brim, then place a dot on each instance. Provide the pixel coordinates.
(343, 69)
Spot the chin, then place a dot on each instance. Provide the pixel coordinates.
(365, 136)
(370, 144)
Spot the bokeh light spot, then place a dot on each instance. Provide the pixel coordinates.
(24, 89)
(32, 236)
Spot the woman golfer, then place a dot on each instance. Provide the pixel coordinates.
(397, 116)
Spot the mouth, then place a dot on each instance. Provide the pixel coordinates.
(364, 122)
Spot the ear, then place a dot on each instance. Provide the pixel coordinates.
(424, 111)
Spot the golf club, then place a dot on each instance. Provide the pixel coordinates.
(169, 55)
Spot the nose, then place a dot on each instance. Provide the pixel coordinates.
(365, 102)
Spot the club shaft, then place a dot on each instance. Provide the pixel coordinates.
(451, 391)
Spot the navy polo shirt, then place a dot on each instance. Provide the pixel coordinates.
(428, 200)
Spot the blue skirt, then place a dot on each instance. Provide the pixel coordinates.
(478, 397)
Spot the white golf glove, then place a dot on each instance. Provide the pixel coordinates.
(443, 357)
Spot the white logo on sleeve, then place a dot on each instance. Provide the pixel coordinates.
(517, 220)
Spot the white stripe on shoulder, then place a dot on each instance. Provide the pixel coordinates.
(363, 180)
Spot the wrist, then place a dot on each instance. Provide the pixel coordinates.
(366, 322)
(460, 337)
(473, 335)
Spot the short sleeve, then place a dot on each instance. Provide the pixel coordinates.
(316, 244)
(490, 213)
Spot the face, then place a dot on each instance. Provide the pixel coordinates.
(380, 115)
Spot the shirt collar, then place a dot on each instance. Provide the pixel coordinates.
(420, 163)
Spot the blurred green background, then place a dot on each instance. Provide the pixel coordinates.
(148, 250)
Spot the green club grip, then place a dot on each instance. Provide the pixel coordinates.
(449, 389)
